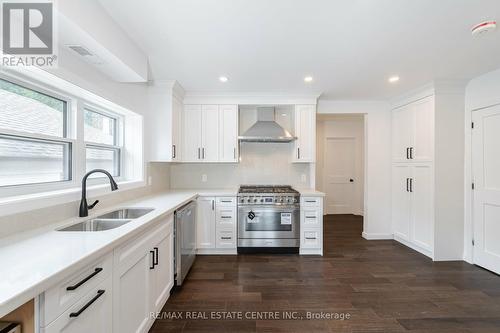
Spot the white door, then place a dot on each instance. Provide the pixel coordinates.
(486, 197)
(205, 223)
(339, 171)
(210, 133)
(423, 141)
(228, 133)
(163, 274)
(402, 133)
(421, 191)
(401, 204)
(191, 133)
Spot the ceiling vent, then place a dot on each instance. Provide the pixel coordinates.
(86, 54)
(483, 28)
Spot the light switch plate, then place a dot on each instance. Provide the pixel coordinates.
(204, 178)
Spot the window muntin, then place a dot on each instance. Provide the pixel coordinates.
(27, 110)
(31, 161)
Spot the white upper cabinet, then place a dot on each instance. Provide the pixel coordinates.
(413, 132)
(228, 133)
(165, 122)
(191, 133)
(305, 131)
(210, 133)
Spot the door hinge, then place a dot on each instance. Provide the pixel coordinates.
(473, 186)
(472, 126)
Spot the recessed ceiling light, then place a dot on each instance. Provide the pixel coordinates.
(394, 79)
(223, 79)
(308, 79)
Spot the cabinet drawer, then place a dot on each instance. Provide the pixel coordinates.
(59, 298)
(91, 313)
(311, 218)
(226, 201)
(310, 201)
(226, 217)
(226, 239)
(311, 239)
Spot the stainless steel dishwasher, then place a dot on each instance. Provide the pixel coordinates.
(185, 240)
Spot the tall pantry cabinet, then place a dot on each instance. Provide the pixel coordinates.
(427, 171)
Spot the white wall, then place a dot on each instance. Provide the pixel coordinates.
(377, 198)
(342, 126)
(481, 92)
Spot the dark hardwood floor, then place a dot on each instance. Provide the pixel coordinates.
(376, 286)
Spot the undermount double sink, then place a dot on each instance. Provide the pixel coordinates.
(109, 220)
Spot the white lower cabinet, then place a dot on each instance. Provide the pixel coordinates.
(412, 206)
(119, 291)
(311, 225)
(216, 225)
(90, 313)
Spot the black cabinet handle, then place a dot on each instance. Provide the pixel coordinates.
(223, 237)
(298, 153)
(79, 312)
(96, 271)
(155, 261)
(203, 153)
(310, 237)
(174, 153)
(199, 156)
(407, 153)
(411, 153)
(351, 180)
(411, 184)
(407, 184)
(213, 204)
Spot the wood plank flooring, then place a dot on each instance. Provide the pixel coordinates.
(381, 286)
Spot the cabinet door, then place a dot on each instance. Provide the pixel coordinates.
(402, 133)
(401, 175)
(91, 313)
(163, 274)
(191, 133)
(228, 133)
(132, 300)
(210, 133)
(423, 140)
(205, 223)
(176, 128)
(305, 131)
(422, 206)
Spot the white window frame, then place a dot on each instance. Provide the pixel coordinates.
(23, 197)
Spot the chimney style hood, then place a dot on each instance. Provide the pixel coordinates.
(266, 130)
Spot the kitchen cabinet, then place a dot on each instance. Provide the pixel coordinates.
(305, 131)
(210, 133)
(191, 133)
(205, 223)
(142, 278)
(167, 102)
(413, 131)
(412, 205)
(216, 225)
(228, 133)
(311, 226)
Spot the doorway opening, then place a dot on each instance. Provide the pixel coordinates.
(340, 163)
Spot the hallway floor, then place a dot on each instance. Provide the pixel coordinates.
(363, 286)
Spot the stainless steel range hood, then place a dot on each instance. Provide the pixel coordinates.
(266, 129)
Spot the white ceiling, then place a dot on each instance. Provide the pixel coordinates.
(350, 47)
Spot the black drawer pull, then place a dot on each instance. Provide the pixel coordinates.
(225, 237)
(310, 237)
(227, 201)
(153, 259)
(76, 314)
(310, 217)
(96, 271)
(226, 217)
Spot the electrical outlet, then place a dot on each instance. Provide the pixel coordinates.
(204, 178)
(303, 178)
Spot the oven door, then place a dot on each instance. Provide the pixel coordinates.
(268, 222)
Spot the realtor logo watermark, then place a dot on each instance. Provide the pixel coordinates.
(28, 34)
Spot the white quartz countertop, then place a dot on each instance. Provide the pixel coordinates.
(32, 262)
(310, 192)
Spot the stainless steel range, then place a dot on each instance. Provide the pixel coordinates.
(268, 217)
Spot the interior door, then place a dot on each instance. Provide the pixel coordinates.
(486, 195)
(339, 172)
(191, 133)
(401, 204)
(210, 133)
(402, 132)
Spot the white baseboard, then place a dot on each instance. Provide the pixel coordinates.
(374, 236)
(311, 252)
(415, 247)
(216, 251)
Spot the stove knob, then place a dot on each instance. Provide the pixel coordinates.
(261, 200)
(289, 199)
(281, 199)
(255, 200)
